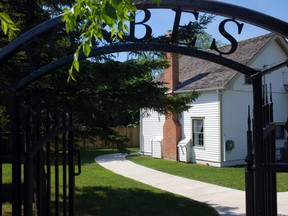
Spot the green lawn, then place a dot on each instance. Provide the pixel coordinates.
(232, 177)
(101, 192)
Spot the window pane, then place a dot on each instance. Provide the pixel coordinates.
(279, 132)
(198, 134)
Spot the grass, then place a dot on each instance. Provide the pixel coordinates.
(102, 192)
(232, 177)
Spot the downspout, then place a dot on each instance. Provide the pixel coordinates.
(221, 145)
(141, 133)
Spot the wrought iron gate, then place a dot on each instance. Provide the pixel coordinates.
(42, 139)
(261, 164)
(41, 153)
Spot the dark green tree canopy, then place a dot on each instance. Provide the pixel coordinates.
(106, 92)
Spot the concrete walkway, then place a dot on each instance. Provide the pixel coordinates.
(226, 201)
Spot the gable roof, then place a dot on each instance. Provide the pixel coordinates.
(195, 73)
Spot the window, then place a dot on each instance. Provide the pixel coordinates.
(247, 80)
(279, 132)
(198, 132)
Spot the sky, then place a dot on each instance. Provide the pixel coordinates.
(274, 8)
(162, 19)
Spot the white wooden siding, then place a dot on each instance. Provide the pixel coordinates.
(151, 126)
(280, 100)
(236, 100)
(270, 56)
(234, 122)
(234, 103)
(207, 107)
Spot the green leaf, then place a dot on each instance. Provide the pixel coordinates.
(14, 28)
(113, 32)
(108, 20)
(76, 65)
(77, 7)
(110, 11)
(126, 27)
(4, 27)
(86, 49)
(71, 77)
(6, 17)
(120, 35)
(66, 10)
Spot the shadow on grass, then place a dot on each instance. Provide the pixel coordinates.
(6, 192)
(227, 211)
(111, 201)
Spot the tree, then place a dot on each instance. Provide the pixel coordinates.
(111, 94)
(101, 87)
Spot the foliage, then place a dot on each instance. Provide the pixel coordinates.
(90, 17)
(189, 33)
(111, 94)
(105, 94)
(7, 25)
(4, 118)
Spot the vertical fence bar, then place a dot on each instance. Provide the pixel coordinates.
(273, 176)
(267, 114)
(56, 170)
(39, 165)
(271, 105)
(1, 182)
(28, 189)
(48, 165)
(267, 183)
(71, 168)
(28, 165)
(64, 166)
(249, 180)
(16, 164)
(258, 138)
(1, 175)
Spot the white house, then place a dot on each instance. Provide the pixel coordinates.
(217, 120)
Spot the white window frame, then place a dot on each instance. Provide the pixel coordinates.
(284, 133)
(203, 132)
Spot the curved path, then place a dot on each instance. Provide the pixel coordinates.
(227, 202)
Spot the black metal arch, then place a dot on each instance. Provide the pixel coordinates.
(44, 70)
(219, 8)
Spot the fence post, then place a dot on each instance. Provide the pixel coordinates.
(258, 136)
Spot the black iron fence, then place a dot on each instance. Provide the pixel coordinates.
(261, 164)
(37, 162)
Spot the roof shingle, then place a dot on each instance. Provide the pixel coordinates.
(192, 70)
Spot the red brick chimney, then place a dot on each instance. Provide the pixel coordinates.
(172, 127)
(171, 74)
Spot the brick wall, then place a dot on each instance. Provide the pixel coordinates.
(172, 127)
(171, 137)
(171, 74)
